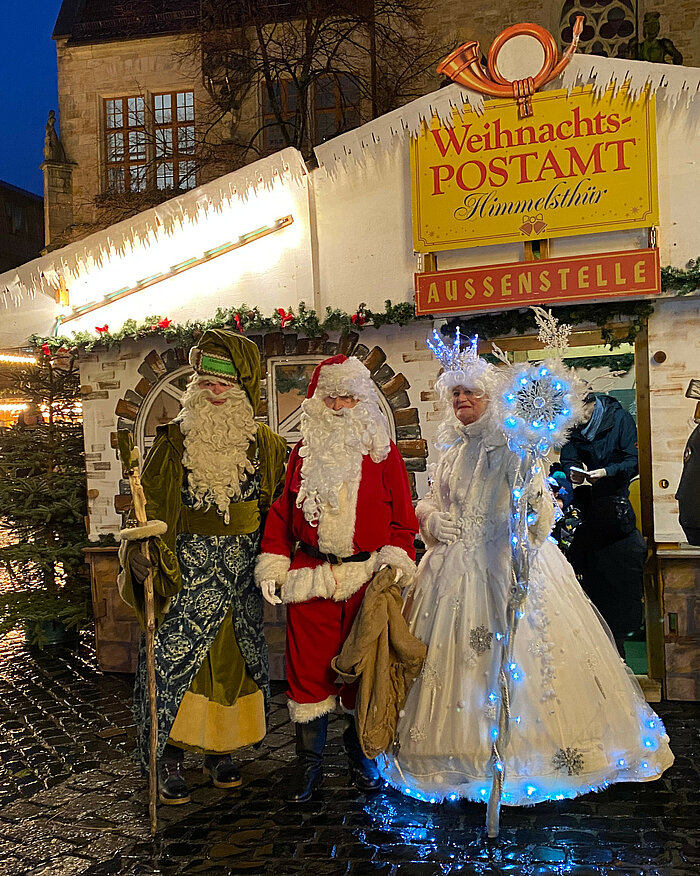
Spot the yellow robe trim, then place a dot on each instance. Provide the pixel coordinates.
(206, 726)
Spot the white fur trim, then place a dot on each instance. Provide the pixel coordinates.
(397, 557)
(302, 713)
(271, 567)
(336, 529)
(327, 582)
(143, 530)
(346, 378)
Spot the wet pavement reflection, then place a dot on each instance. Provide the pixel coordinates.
(73, 801)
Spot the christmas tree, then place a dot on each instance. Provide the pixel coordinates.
(43, 498)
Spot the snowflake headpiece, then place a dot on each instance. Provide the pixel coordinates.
(538, 403)
(462, 367)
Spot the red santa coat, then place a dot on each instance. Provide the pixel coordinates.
(384, 526)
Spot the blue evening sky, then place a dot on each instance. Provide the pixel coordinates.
(28, 89)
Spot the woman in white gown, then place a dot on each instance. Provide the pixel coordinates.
(578, 719)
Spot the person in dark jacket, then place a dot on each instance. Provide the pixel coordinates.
(608, 552)
(688, 493)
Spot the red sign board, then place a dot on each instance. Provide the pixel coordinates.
(598, 277)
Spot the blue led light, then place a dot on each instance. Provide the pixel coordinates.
(516, 719)
(494, 733)
(536, 424)
(514, 540)
(453, 797)
(651, 724)
(645, 764)
(551, 426)
(511, 423)
(559, 797)
(530, 790)
(621, 762)
(558, 385)
(492, 695)
(517, 494)
(565, 412)
(512, 666)
(543, 372)
(509, 397)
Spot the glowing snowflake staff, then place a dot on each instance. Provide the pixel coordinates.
(535, 404)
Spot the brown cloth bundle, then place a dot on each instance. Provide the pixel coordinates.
(385, 657)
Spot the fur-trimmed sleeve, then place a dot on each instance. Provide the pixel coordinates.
(400, 550)
(277, 541)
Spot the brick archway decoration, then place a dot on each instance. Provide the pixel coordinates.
(393, 386)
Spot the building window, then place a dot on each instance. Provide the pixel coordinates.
(335, 108)
(125, 149)
(154, 150)
(608, 27)
(173, 119)
(15, 217)
(285, 92)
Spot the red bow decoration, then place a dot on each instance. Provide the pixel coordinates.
(357, 318)
(46, 350)
(284, 316)
(238, 322)
(164, 323)
(101, 329)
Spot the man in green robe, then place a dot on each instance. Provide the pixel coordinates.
(209, 480)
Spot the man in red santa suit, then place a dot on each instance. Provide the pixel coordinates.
(345, 511)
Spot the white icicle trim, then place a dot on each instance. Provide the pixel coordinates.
(302, 713)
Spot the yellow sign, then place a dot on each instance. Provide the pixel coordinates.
(579, 165)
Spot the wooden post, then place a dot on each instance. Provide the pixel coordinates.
(130, 457)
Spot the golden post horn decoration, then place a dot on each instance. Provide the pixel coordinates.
(464, 68)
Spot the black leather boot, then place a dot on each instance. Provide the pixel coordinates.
(223, 771)
(363, 772)
(306, 776)
(172, 787)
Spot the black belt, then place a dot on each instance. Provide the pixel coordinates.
(334, 560)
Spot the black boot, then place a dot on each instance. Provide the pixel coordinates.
(223, 771)
(172, 787)
(307, 775)
(363, 772)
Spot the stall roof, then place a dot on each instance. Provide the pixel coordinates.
(676, 86)
(42, 275)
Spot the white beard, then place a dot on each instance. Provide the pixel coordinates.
(334, 444)
(216, 441)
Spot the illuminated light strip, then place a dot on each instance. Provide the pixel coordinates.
(13, 408)
(243, 240)
(17, 360)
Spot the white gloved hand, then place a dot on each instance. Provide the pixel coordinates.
(596, 474)
(268, 590)
(442, 527)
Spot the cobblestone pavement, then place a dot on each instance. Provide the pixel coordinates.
(73, 802)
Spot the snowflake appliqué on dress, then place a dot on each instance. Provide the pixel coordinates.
(431, 677)
(480, 639)
(417, 734)
(570, 759)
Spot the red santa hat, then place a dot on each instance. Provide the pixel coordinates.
(340, 375)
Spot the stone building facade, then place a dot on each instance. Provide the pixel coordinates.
(106, 58)
(21, 226)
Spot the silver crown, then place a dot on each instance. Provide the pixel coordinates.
(454, 358)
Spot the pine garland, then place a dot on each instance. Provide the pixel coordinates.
(522, 322)
(308, 322)
(681, 281)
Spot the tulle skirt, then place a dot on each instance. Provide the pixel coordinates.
(578, 719)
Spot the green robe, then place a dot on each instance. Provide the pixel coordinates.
(222, 708)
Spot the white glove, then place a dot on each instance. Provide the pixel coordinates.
(268, 590)
(596, 474)
(442, 527)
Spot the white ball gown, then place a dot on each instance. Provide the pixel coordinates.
(579, 720)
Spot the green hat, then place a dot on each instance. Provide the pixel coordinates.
(229, 357)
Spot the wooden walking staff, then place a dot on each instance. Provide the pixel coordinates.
(129, 454)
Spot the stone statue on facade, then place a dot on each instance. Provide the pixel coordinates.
(53, 148)
(653, 49)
